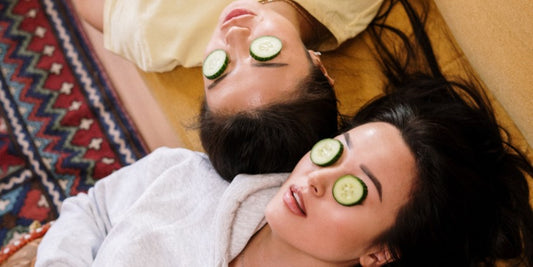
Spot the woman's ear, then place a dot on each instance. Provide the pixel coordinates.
(375, 259)
(315, 56)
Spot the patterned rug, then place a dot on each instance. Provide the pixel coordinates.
(61, 125)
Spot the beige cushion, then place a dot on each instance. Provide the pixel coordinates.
(497, 39)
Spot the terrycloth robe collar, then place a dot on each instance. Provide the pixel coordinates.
(241, 213)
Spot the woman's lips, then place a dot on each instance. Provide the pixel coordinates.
(294, 201)
(237, 13)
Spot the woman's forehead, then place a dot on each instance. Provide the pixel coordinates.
(253, 86)
(380, 147)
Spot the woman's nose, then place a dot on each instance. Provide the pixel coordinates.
(237, 40)
(319, 181)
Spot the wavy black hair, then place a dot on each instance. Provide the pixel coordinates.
(470, 203)
(272, 138)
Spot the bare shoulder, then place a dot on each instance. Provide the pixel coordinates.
(92, 11)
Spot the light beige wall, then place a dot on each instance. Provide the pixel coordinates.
(497, 38)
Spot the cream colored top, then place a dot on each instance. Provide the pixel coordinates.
(158, 35)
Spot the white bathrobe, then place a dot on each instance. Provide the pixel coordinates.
(168, 209)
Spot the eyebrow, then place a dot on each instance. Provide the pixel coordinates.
(373, 178)
(348, 140)
(260, 65)
(269, 64)
(365, 169)
(218, 80)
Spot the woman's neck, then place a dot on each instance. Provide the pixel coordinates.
(254, 250)
(263, 249)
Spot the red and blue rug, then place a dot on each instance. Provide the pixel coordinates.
(61, 125)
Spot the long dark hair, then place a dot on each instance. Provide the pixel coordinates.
(271, 138)
(470, 203)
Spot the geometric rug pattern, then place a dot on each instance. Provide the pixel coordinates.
(62, 127)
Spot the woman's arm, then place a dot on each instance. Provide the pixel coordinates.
(86, 219)
(92, 11)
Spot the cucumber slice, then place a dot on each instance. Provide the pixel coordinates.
(215, 64)
(326, 152)
(349, 190)
(265, 48)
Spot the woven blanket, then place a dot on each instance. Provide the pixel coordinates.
(61, 125)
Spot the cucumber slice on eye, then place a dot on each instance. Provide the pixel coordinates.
(215, 64)
(326, 152)
(265, 48)
(349, 190)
